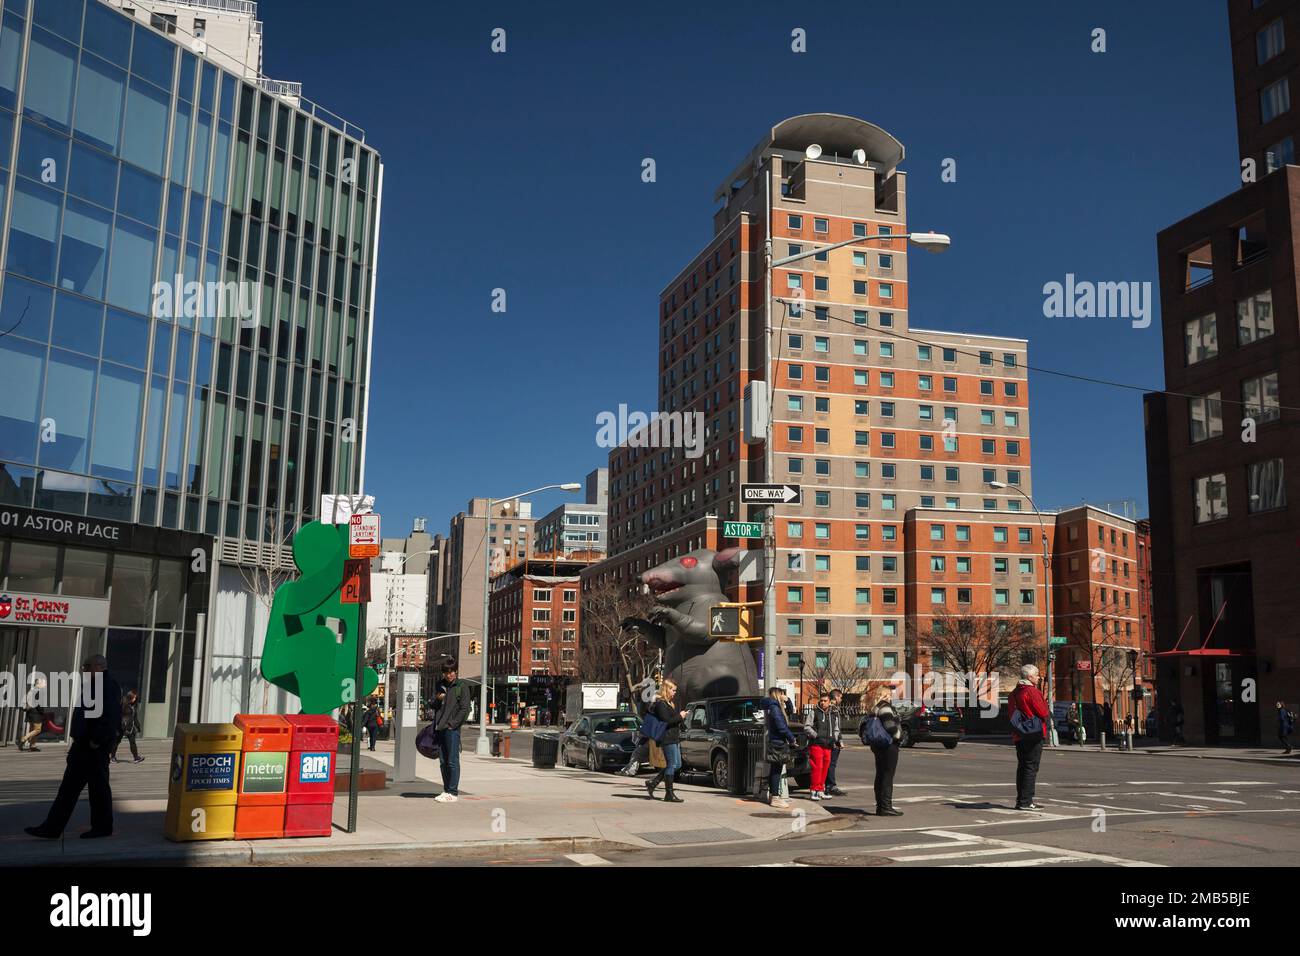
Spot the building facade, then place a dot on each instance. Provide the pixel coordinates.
(577, 526)
(187, 265)
(1222, 441)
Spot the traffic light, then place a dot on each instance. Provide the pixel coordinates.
(473, 647)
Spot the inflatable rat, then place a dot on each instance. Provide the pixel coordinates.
(685, 589)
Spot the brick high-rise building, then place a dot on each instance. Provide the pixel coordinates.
(871, 415)
(1223, 440)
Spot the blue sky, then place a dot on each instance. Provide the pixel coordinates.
(522, 171)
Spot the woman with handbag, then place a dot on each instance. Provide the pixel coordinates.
(663, 726)
(779, 741)
(883, 729)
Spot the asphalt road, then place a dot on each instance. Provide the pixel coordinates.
(1099, 809)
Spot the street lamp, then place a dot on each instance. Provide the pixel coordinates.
(1047, 600)
(931, 242)
(481, 746)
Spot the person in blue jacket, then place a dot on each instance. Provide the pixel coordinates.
(1285, 724)
(778, 729)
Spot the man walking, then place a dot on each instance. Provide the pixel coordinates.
(1029, 714)
(837, 737)
(95, 726)
(454, 709)
(1285, 724)
(35, 718)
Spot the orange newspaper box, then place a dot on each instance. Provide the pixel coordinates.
(263, 776)
(309, 809)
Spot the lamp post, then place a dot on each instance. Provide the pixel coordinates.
(1047, 600)
(931, 242)
(481, 746)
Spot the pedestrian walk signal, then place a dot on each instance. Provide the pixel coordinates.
(473, 647)
(732, 622)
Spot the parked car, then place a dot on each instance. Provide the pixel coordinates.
(924, 722)
(704, 738)
(600, 740)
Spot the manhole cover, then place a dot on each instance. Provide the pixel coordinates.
(848, 859)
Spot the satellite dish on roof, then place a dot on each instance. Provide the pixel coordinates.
(813, 151)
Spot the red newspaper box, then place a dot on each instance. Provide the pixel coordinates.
(313, 753)
(263, 776)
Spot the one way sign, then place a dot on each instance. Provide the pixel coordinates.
(768, 494)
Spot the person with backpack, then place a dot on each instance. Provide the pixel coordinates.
(1029, 714)
(1285, 724)
(779, 741)
(882, 731)
(130, 725)
(455, 701)
(820, 726)
(663, 726)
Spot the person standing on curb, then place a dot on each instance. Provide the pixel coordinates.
(95, 726)
(1029, 715)
(779, 741)
(821, 739)
(130, 725)
(837, 721)
(1285, 724)
(885, 749)
(669, 742)
(454, 710)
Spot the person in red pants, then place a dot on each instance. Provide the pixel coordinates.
(821, 738)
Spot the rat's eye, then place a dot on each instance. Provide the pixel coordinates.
(689, 562)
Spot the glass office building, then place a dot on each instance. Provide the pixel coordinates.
(186, 273)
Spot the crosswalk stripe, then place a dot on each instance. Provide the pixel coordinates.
(588, 859)
(957, 855)
(1039, 861)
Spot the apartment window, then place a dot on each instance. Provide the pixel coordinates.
(986, 416)
(541, 614)
(822, 659)
(542, 594)
(794, 628)
(862, 562)
(822, 595)
(821, 225)
(859, 316)
(862, 659)
(795, 466)
(950, 385)
(1001, 565)
(860, 377)
(1001, 597)
(1255, 317)
(1274, 100)
(794, 403)
(821, 373)
(1011, 419)
(821, 436)
(794, 433)
(863, 407)
(822, 499)
(1009, 359)
(1010, 389)
(794, 280)
(862, 532)
(886, 289)
(1026, 565)
(1025, 535)
(794, 342)
(1269, 42)
(963, 532)
(925, 383)
(888, 532)
(886, 320)
(924, 353)
(1210, 495)
(886, 261)
(860, 347)
(887, 440)
(821, 313)
(938, 563)
(859, 259)
(822, 466)
(1026, 596)
(889, 595)
(822, 530)
(862, 499)
(1260, 398)
(862, 469)
(1205, 417)
(1000, 535)
(951, 473)
(863, 439)
(862, 595)
(1265, 485)
(822, 627)
(821, 343)
(1281, 153)
(794, 222)
(1013, 449)
(927, 471)
(938, 596)
(859, 229)
(1013, 476)
(570, 596)
(887, 350)
(927, 443)
(795, 372)
(1200, 339)
(794, 529)
(821, 284)
(890, 659)
(859, 286)
(952, 504)
(925, 413)
(988, 475)
(950, 443)
(794, 595)
(936, 532)
(986, 358)
(988, 446)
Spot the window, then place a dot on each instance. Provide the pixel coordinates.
(986, 358)
(1205, 417)
(1260, 398)
(859, 229)
(887, 440)
(936, 532)
(1026, 565)
(794, 595)
(1274, 100)
(1211, 498)
(890, 658)
(821, 404)
(1025, 535)
(1011, 419)
(1013, 449)
(1013, 476)
(821, 373)
(860, 347)
(822, 466)
(822, 595)
(1001, 597)
(924, 353)
(794, 342)
(938, 563)
(822, 499)
(796, 466)
(927, 471)
(862, 532)
(862, 469)
(859, 286)
(927, 443)
(1026, 595)
(794, 222)
(821, 436)
(938, 596)
(794, 433)
(860, 376)
(821, 284)
(886, 289)
(822, 530)
(863, 439)
(1269, 42)
(889, 595)
(823, 659)
(1255, 317)
(886, 320)
(859, 316)
(821, 343)
(862, 562)
(951, 473)
(963, 565)
(925, 383)
(963, 532)
(863, 407)
(796, 659)
(794, 403)
(886, 379)
(1281, 153)
(821, 225)
(1265, 486)
(889, 563)
(887, 502)
(859, 258)
(1001, 565)
(794, 529)
(862, 499)
(862, 659)
(1200, 339)
(1010, 389)
(950, 385)
(1000, 535)
(862, 595)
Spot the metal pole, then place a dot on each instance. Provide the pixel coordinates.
(769, 456)
(481, 746)
(196, 667)
(354, 778)
(1047, 599)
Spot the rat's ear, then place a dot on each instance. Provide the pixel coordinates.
(726, 559)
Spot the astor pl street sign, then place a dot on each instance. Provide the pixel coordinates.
(1056, 641)
(769, 494)
(742, 529)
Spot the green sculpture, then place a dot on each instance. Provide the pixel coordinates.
(302, 653)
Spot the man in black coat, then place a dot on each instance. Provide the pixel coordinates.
(95, 725)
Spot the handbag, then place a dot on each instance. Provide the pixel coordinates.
(874, 733)
(778, 751)
(1027, 724)
(426, 742)
(653, 727)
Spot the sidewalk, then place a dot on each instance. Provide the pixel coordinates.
(502, 803)
(1270, 755)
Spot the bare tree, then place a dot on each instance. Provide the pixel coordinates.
(1089, 632)
(988, 646)
(607, 652)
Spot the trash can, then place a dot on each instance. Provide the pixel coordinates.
(263, 776)
(309, 806)
(546, 747)
(201, 792)
(745, 752)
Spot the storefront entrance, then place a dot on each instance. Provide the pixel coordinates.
(51, 652)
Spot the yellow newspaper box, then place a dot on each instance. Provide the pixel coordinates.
(201, 788)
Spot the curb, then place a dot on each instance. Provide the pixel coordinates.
(1265, 761)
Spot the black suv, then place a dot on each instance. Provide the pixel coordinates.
(704, 738)
(923, 722)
